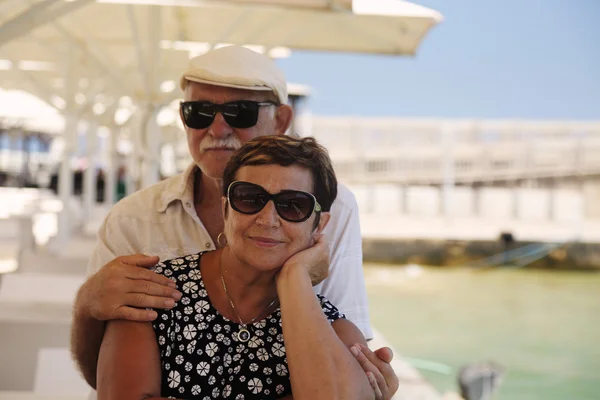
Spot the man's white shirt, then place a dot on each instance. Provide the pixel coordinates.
(161, 221)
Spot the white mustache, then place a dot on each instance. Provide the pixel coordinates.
(230, 142)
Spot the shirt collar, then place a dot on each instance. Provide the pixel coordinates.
(181, 188)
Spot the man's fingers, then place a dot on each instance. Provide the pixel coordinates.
(385, 354)
(385, 373)
(376, 379)
(375, 386)
(141, 300)
(382, 383)
(381, 371)
(372, 357)
(140, 260)
(145, 275)
(364, 362)
(154, 289)
(135, 314)
(382, 366)
(148, 262)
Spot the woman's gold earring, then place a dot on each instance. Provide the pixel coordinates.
(220, 237)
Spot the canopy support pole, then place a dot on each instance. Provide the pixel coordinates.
(65, 178)
(132, 171)
(36, 16)
(90, 174)
(139, 51)
(150, 173)
(110, 178)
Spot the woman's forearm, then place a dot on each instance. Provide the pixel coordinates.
(129, 362)
(320, 364)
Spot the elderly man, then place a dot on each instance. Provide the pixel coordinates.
(231, 96)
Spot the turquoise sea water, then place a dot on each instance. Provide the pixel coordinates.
(543, 327)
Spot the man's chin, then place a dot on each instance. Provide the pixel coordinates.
(212, 173)
(213, 164)
(210, 170)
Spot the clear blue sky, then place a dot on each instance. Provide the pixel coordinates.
(487, 59)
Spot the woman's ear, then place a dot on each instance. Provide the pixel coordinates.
(224, 207)
(325, 216)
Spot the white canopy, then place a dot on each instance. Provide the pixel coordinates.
(136, 48)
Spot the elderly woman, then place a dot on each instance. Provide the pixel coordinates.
(249, 325)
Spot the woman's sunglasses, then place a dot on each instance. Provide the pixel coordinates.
(291, 205)
(238, 114)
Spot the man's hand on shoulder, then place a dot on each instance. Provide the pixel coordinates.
(124, 288)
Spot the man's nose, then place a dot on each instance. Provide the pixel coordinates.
(268, 215)
(219, 127)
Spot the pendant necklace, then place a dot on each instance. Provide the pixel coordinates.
(243, 333)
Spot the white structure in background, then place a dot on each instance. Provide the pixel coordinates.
(21, 111)
(469, 179)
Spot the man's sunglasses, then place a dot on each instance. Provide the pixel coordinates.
(238, 114)
(291, 205)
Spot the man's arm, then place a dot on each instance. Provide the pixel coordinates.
(119, 289)
(86, 335)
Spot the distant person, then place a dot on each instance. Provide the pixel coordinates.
(232, 95)
(3, 178)
(100, 185)
(121, 189)
(77, 188)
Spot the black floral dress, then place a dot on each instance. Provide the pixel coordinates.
(201, 355)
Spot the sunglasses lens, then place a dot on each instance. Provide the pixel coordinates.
(247, 198)
(241, 114)
(294, 206)
(198, 115)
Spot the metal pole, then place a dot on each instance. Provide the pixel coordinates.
(110, 180)
(132, 171)
(151, 155)
(65, 177)
(90, 175)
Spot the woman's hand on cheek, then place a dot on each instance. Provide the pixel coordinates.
(315, 259)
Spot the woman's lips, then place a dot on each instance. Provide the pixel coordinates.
(264, 241)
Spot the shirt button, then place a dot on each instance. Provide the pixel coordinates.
(208, 245)
(188, 204)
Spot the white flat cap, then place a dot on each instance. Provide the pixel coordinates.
(237, 67)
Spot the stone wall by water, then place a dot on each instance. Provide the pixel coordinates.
(572, 256)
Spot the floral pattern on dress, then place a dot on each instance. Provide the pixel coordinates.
(201, 356)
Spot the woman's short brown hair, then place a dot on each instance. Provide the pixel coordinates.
(285, 151)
